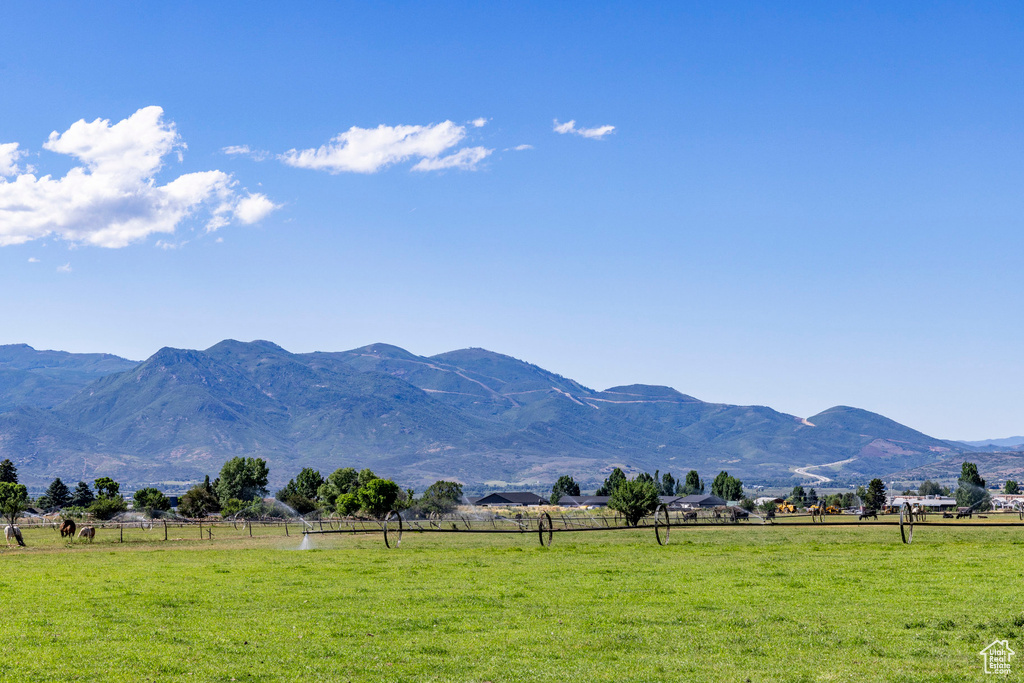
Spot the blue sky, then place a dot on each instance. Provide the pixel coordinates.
(798, 206)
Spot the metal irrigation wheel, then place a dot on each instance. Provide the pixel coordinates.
(544, 524)
(391, 538)
(906, 524)
(661, 512)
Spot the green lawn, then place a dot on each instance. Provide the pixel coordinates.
(758, 603)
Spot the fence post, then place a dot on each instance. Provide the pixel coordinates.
(200, 530)
(250, 528)
(165, 529)
(286, 528)
(121, 526)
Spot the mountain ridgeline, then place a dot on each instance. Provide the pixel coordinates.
(471, 415)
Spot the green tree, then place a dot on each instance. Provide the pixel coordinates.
(441, 497)
(243, 479)
(366, 475)
(347, 504)
(634, 499)
(874, 498)
(107, 508)
(341, 480)
(151, 501)
(812, 497)
(727, 487)
(199, 501)
(565, 486)
(107, 488)
(8, 472)
(970, 491)
(57, 495)
(798, 497)
(693, 484)
(308, 482)
(669, 485)
(82, 496)
(614, 479)
(378, 496)
(1011, 486)
(13, 501)
(748, 504)
(300, 493)
(931, 488)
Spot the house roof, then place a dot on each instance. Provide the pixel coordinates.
(512, 498)
(701, 500)
(583, 501)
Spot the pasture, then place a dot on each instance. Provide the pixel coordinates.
(731, 603)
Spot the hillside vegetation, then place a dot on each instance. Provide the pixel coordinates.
(471, 414)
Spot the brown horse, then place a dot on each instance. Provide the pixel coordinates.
(87, 532)
(67, 529)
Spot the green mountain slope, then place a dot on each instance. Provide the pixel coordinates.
(471, 414)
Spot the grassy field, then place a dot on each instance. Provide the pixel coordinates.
(746, 603)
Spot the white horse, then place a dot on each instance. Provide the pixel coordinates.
(11, 531)
(87, 532)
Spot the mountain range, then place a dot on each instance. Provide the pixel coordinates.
(473, 415)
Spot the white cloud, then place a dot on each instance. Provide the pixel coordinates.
(522, 148)
(9, 155)
(465, 159)
(592, 133)
(368, 150)
(245, 150)
(111, 198)
(253, 208)
(479, 123)
(66, 268)
(33, 259)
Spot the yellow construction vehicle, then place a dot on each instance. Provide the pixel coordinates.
(786, 507)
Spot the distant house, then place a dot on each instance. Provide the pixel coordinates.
(511, 499)
(583, 501)
(699, 500)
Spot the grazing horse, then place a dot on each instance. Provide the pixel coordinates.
(87, 532)
(14, 532)
(868, 513)
(67, 529)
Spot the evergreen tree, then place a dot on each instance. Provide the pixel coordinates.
(8, 472)
(57, 495)
(1011, 486)
(82, 496)
(970, 490)
(874, 498)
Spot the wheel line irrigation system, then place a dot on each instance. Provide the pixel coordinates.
(661, 521)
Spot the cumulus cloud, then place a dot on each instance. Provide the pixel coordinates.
(253, 208)
(66, 268)
(33, 259)
(592, 133)
(479, 123)
(112, 198)
(522, 148)
(369, 150)
(9, 156)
